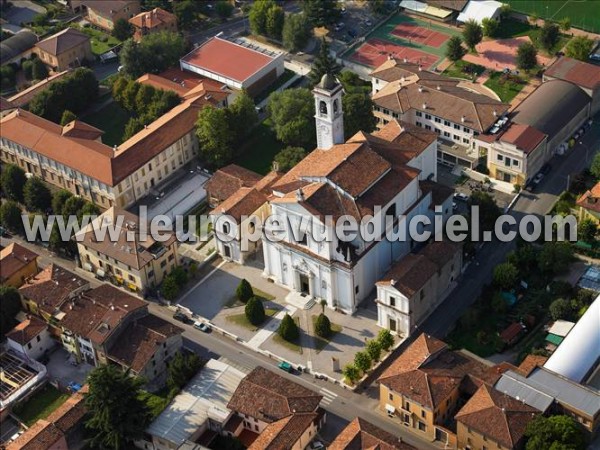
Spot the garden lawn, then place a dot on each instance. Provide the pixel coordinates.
(506, 89)
(321, 342)
(464, 69)
(242, 321)
(260, 149)
(101, 42)
(112, 120)
(40, 405)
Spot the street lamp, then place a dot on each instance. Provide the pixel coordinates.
(587, 148)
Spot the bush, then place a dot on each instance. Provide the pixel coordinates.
(323, 326)
(362, 361)
(12, 180)
(37, 196)
(244, 291)
(374, 349)
(385, 339)
(351, 373)
(288, 329)
(255, 312)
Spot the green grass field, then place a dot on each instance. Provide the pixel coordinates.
(506, 89)
(40, 405)
(260, 149)
(583, 13)
(463, 69)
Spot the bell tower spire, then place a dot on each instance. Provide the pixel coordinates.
(329, 117)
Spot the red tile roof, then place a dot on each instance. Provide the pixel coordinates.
(27, 330)
(227, 59)
(228, 180)
(63, 41)
(578, 72)
(362, 435)
(152, 19)
(524, 137)
(13, 258)
(511, 332)
(590, 199)
(285, 433)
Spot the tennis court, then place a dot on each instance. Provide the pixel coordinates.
(375, 52)
(416, 33)
(583, 13)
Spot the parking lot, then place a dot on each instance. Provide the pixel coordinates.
(356, 20)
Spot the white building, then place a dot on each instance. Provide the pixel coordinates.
(31, 338)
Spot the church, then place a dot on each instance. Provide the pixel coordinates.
(391, 172)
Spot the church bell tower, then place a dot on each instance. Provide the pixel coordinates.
(329, 118)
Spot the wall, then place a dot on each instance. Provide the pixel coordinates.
(131, 9)
(36, 347)
(469, 438)
(73, 57)
(18, 278)
(155, 371)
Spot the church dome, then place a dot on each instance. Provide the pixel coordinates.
(327, 82)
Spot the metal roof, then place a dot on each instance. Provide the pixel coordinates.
(206, 395)
(517, 386)
(561, 328)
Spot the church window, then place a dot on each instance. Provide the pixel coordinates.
(335, 106)
(323, 107)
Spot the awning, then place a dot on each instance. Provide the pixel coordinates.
(88, 267)
(554, 339)
(100, 273)
(389, 408)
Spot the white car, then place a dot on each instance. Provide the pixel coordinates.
(316, 445)
(202, 326)
(539, 177)
(461, 196)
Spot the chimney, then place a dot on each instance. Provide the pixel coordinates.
(424, 105)
(420, 88)
(439, 88)
(115, 148)
(462, 119)
(392, 282)
(299, 195)
(405, 60)
(495, 113)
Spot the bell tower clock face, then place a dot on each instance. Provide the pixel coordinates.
(325, 130)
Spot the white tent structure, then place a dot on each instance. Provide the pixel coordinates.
(478, 10)
(579, 352)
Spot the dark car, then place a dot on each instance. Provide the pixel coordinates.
(182, 318)
(352, 33)
(546, 168)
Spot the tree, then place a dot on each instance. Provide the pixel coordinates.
(181, 369)
(214, 135)
(505, 11)
(374, 349)
(292, 114)
(587, 231)
(10, 305)
(554, 433)
(185, 11)
(73, 206)
(59, 198)
(242, 116)
(10, 216)
(565, 24)
(385, 339)
(323, 63)
(560, 309)
(296, 32)
(323, 326)
(498, 303)
(595, 167)
(7, 77)
(506, 275)
(122, 29)
(12, 180)
(67, 117)
(179, 275)
(353, 84)
(579, 48)
(351, 373)
(39, 71)
(362, 361)
(153, 54)
(288, 329)
(89, 209)
(490, 27)
(288, 158)
(244, 291)
(549, 35)
(358, 114)
(274, 21)
(170, 288)
(377, 6)
(555, 257)
(257, 17)
(224, 9)
(321, 12)
(255, 311)
(455, 50)
(488, 210)
(526, 56)
(144, 97)
(36, 195)
(27, 68)
(472, 34)
(117, 416)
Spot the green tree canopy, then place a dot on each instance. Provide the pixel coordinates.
(27, 68)
(323, 326)
(362, 361)
(488, 210)
(595, 167)
(7, 77)
(565, 24)
(549, 35)
(288, 329)
(472, 34)
(117, 416)
(12, 180)
(59, 199)
(506, 276)
(323, 63)
(358, 114)
(587, 231)
(153, 54)
(351, 373)
(39, 71)
(455, 50)
(242, 116)
(214, 135)
(186, 12)
(289, 157)
(353, 84)
(274, 22)
(122, 29)
(258, 16)
(296, 32)
(560, 309)
(10, 305)
(292, 114)
(244, 291)
(224, 9)
(374, 349)
(181, 369)
(67, 117)
(36, 195)
(10, 216)
(554, 433)
(579, 48)
(526, 56)
(73, 206)
(386, 339)
(490, 27)
(170, 288)
(255, 311)
(321, 12)
(555, 257)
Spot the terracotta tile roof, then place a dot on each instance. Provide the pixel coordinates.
(63, 41)
(524, 137)
(69, 414)
(242, 203)
(440, 252)
(434, 94)
(153, 19)
(6, 104)
(107, 7)
(26, 331)
(578, 72)
(284, 433)
(590, 199)
(422, 348)
(23, 98)
(511, 332)
(184, 84)
(497, 416)
(228, 59)
(362, 435)
(50, 288)
(136, 253)
(530, 363)
(138, 343)
(270, 397)
(13, 258)
(228, 180)
(81, 130)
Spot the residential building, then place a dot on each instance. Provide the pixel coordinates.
(61, 430)
(362, 435)
(126, 256)
(589, 204)
(199, 409)
(31, 338)
(66, 49)
(73, 156)
(448, 107)
(227, 181)
(416, 285)
(280, 413)
(104, 13)
(583, 74)
(235, 65)
(20, 376)
(154, 21)
(491, 419)
(391, 172)
(17, 263)
(427, 384)
(17, 47)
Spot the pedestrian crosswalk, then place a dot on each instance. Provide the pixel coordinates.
(328, 396)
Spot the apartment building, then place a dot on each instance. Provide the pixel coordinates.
(66, 49)
(362, 435)
(17, 264)
(30, 337)
(126, 257)
(104, 13)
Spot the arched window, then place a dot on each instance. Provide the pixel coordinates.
(335, 106)
(323, 107)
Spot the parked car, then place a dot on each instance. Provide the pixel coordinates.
(537, 179)
(286, 366)
(182, 318)
(368, 23)
(316, 445)
(339, 26)
(461, 196)
(546, 168)
(202, 326)
(352, 33)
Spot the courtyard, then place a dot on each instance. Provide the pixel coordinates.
(500, 54)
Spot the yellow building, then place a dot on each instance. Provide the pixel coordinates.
(589, 205)
(16, 265)
(104, 13)
(65, 49)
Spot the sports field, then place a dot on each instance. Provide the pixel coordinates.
(584, 14)
(404, 37)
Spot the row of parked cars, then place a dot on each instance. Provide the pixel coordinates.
(184, 318)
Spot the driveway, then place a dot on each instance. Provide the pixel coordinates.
(60, 369)
(23, 12)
